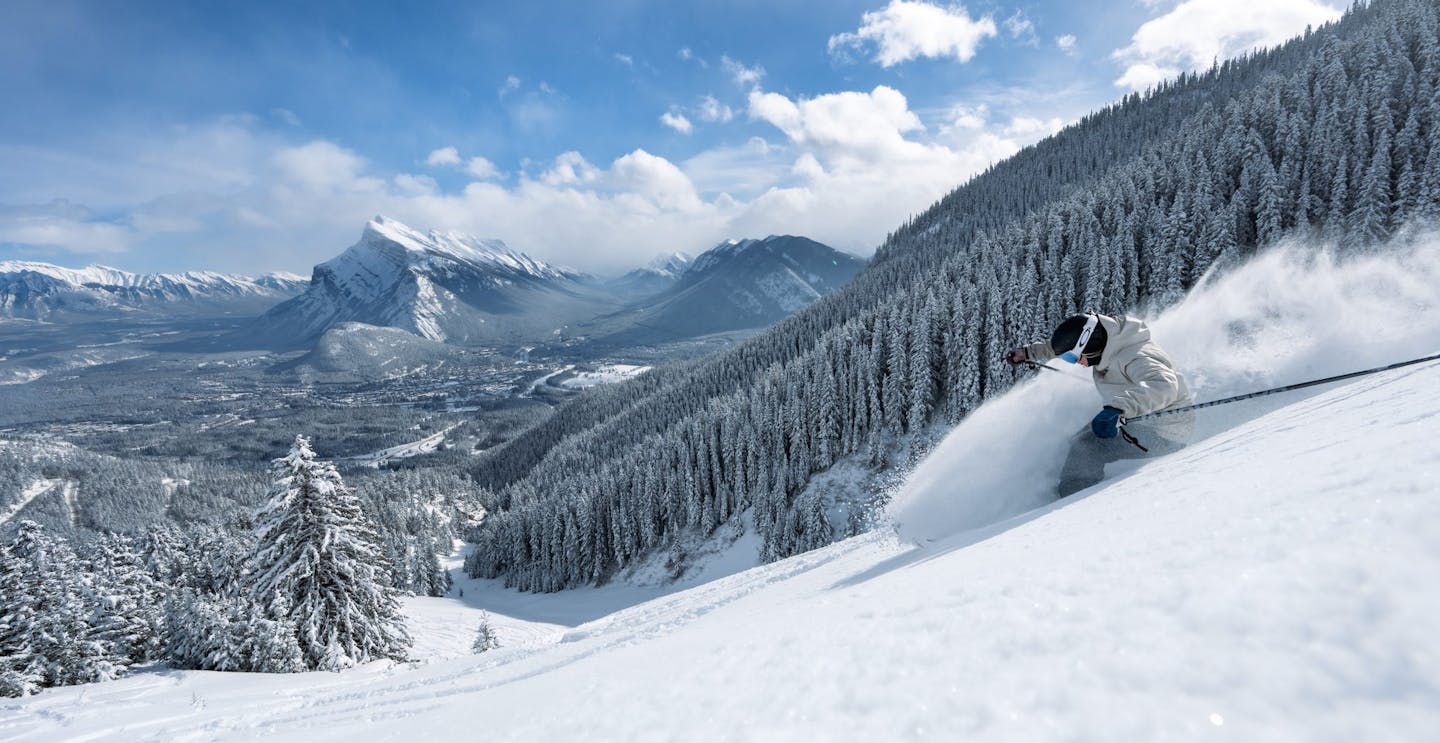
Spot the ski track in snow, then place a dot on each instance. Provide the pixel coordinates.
(1271, 582)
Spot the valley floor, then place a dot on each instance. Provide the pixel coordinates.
(1272, 582)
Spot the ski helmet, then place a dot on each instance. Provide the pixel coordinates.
(1067, 336)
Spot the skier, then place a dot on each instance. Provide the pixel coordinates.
(1134, 377)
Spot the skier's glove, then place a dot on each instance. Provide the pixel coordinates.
(1106, 423)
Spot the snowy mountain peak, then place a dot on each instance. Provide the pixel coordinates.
(385, 239)
(445, 286)
(670, 265)
(36, 290)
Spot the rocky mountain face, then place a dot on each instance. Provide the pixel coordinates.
(446, 287)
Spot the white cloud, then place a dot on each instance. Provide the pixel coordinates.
(413, 184)
(1020, 27)
(689, 55)
(962, 116)
(808, 167)
(1026, 127)
(442, 157)
(510, 85)
(481, 168)
(677, 121)
(63, 225)
(906, 30)
(625, 59)
(654, 179)
(1196, 33)
(713, 111)
(845, 122)
(843, 168)
(322, 166)
(1066, 43)
(570, 169)
(742, 75)
(860, 163)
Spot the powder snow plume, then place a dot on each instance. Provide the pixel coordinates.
(1291, 314)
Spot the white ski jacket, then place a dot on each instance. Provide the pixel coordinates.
(1135, 376)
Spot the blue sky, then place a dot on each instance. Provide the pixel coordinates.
(259, 136)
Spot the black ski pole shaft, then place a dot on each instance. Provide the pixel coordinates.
(1039, 365)
(1286, 388)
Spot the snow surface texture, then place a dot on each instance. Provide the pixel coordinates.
(1272, 582)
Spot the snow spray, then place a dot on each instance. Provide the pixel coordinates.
(1291, 313)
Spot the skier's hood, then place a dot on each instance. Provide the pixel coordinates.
(1121, 332)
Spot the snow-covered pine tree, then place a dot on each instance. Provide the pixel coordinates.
(53, 632)
(485, 637)
(318, 563)
(130, 596)
(228, 633)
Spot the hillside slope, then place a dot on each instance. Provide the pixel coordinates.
(1272, 582)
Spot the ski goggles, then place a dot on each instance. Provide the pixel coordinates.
(1074, 354)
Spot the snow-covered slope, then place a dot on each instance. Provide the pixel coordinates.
(1273, 582)
(441, 286)
(353, 351)
(41, 290)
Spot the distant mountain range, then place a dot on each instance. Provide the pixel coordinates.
(456, 289)
(468, 291)
(736, 285)
(41, 291)
(647, 281)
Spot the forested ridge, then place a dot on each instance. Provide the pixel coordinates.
(1332, 136)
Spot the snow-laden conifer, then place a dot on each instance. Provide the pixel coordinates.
(130, 597)
(485, 637)
(318, 563)
(53, 629)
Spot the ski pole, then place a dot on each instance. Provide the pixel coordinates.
(1039, 365)
(1286, 388)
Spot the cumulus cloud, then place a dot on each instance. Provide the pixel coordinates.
(481, 168)
(906, 30)
(625, 59)
(1196, 33)
(843, 167)
(743, 76)
(570, 169)
(1066, 43)
(861, 160)
(677, 121)
(443, 157)
(713, 111)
